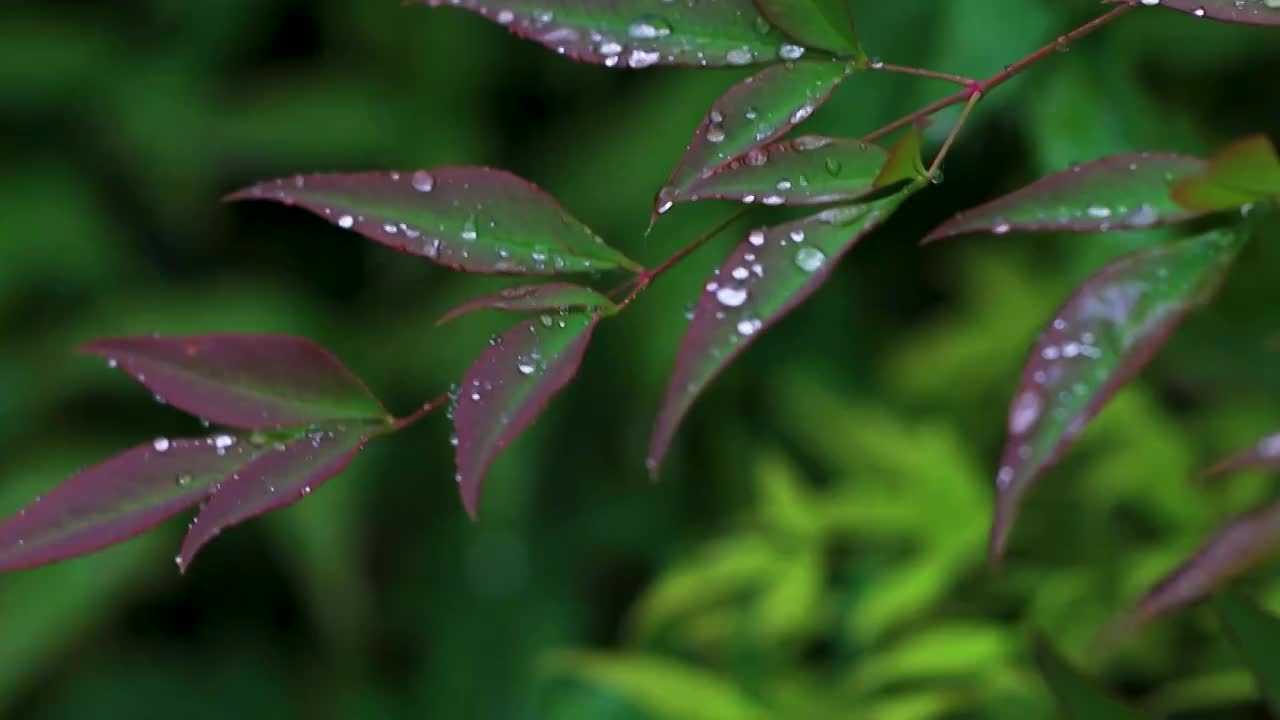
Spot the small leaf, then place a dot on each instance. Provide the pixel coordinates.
(1264, 455)
(754, 112)
(283, 475)
(1250, 165)
(1101, 338)
(472, 219)
(1076, 694)
(1200, 194)
(905, 162)
(1256, 635)
(660, 687)
(1247, 12)
(245, 381)
(551, 296)
(808, 170)
(1121, 192)
(770, 273)
(640, 33)
(507, 388)
(824, 24)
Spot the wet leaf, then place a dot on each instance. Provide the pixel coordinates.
(551, 296)
(771, 272)
(752, 113)
(1122, 192)
(509, 385)
(905, 162)
(1256, 635)
(640, 33)
(809, 170)
(1247, 12)
(824, 24)
(1077, 696)
(245, 381)
(1263, 455)
(1097, 342)
(472, 219)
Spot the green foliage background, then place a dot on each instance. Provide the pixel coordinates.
(816, 547)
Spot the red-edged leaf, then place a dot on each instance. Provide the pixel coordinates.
(283, 475)
(808, 170)
(641, 33)
(905, 162)
(120, 498)
(1116, 193)
(244, 381)
(537, 298)
(1098, 341)
(508, 386)
(1246, 12)
(824, 24)
(752, 113)
(473, 219)
(1264, 455)
(770, 273)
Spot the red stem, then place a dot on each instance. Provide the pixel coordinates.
(920, 72)
(647, 277)
(404, 422)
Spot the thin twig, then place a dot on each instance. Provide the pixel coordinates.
(921, 72)
(955, 131)
(646, 278)
(416, 415)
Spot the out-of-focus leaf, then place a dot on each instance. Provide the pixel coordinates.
(507, 388)
(1248, 12)
(1256, 635)
(1101, 338)
(905, 162)
(1201, 194)
(550, 296)
(771, 272)
(663, 688)
(753, 112)
(824, 24)
(791, 601)
(1264, 455)
(1076, 694)
(245, 381)
(947, 650)
(1122, 192)
(808, 170)
(640, 33)
(1249, 164)
(468, 218)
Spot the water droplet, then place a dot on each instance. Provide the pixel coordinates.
(833, 167)
(649, 27)
(787, 51)
(809, 258)
(738, 56)
(756, 237)
(346, 221)
(160, 444)
(1026, 410)
(748, 326)
(731, 297)
(423, 181)
(715, 134)
(185, 479)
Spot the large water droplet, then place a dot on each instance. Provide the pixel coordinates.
(810, 259)
(423, 181)
(731, 296)
(649, 27)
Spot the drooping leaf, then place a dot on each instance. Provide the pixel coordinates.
(1247, 12)
(661, 687)
(824, 24)
(1263, 455)
(752, 113)
(468, 218)
(283, 475)
(1097, 342)
(245, 381)
(771, 272)
(905, 162)
(550, 296)
(1077, 696)
(1256, 635)
(1121, 192)
(1250, 165)
(509, 385)
(641, 33)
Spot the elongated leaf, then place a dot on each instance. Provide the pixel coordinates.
(1100, 339)
(824, 24)
(1247, 12)
(905, 162)
(1249, 165)
(120, 498)
(1116, 193)
(507, 388)
(281, 476)
(808, 170)
(752, 113)
(551, 296)
(1256, 635)
(1077, 696)
(641, 33)
(1202, 194)
(770, 273)
(1264, 455)
(661, 687)
(473, 219)
(245, 381)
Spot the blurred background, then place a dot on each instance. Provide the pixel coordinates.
(816, 547)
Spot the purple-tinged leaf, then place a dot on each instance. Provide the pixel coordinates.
(752, 113)
(1263, 455)
(537, 298)
(641, 33)
(467, 218)
(1098, 341)
(244, 381)
(507, 388)
(905, 162)
(808, 170)
(1121, 192)
(282, 475)
(1245, 12)
(120, 498)
(824, 24)
(770, 273)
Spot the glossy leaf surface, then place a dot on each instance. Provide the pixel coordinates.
(1097, 342)
(1263, 455)
(468, 218)
(1256, 636)
(1248, 12)
(1077, 695)
(550, 296)
(1116, 193)
(808, 170)
(245, 381)
(507, 388)
(824, 24)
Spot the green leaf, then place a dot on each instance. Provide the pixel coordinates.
(1243, 172)
(905, 162)
(1076, 694)
(664, 688)
(807, 170)
(824, 24)
(1256, 635)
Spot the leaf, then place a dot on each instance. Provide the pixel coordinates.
(1121, 192)
(771, 272)
(1077, 696)
(1247, 12)
(508, 386)
(808, 170)
(283, 475)
(641, 33)
(905, 162)
(824, 24)
(754, 112)
(1249, 165)
(1264, 455)
(1101, 338)
(664, 688)
(245, 381)
(1201, 194)
(550, 296)
(1256, 636)
(467, 218)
